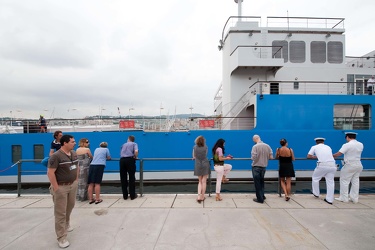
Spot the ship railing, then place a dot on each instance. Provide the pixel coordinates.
(360, 62)
(306, 22)
(261, 51)
(233, 21)
(299, 87)
(142, 170)
(236, 109)
(352, 123)
(282, 22)
(234, 120)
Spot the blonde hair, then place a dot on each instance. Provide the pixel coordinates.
(82, 142)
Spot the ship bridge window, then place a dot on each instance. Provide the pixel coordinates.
(278, 52)
(335, 52)
(318, 52)
(16, 153)
(38, 151)
(352, 116)
(297, 51)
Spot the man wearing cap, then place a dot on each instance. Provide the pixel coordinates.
(370, 85)
(325, 167)
(351, 169)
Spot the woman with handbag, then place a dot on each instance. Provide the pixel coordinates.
(220, 167)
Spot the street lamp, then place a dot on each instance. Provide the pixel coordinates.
(191, 115)
(11, 118)
(161, 108)
(129, 112)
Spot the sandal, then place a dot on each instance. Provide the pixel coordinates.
(98, 201)
(92, 201)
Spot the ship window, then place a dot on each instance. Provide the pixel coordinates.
(297, 51)
(296, 85)
(335, 52)
(274, 88)
(280, 53)
(352, 116)
(318, 52)
(38, 151)
(16, 153)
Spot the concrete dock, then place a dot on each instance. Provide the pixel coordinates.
(177, 221)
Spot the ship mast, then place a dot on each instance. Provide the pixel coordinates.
(239, 3)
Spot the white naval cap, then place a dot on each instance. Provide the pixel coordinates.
(319, 139)
(351, 133)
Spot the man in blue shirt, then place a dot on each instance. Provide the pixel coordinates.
(129, 154)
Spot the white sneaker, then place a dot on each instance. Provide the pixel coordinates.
(63, 243)
(339, 199)
(350, 199)
(70, 228)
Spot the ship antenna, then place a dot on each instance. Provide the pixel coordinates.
(287, 18)
(239, 2)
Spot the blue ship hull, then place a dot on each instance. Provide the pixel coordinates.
(299, 119)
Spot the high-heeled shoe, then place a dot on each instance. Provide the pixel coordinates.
(287, 198)
(218, 197)
(199, 198)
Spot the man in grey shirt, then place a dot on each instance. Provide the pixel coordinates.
(260, 154)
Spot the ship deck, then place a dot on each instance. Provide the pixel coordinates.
(177, 221)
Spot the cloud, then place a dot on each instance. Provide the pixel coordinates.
(92, 56)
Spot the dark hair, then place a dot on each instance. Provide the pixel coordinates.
(131, 138)
(56, 134)
(218, 144)
(65, 139)
(283, 142)
(351, 136)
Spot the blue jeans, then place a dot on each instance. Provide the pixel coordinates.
(258, 176)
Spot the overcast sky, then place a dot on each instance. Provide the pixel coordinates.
(75, 58)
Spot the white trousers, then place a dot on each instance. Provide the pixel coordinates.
(220, 171)
(350, 174)
(326, 170)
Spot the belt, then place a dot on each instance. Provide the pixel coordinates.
(64, 183)
(326, 163)
(128, 157)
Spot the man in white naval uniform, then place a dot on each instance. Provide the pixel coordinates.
(325, 167)
(370, 85)
(352, 168)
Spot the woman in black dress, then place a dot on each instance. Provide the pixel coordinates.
(286, 169)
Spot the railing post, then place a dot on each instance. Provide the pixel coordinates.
(209, 182)
(19, 178)
(141, 177)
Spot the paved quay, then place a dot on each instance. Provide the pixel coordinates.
(177, 221)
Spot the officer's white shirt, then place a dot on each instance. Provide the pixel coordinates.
(370, 82)
(352, 150)
(322, 152)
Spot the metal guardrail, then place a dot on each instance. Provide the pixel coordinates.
(142, 171)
